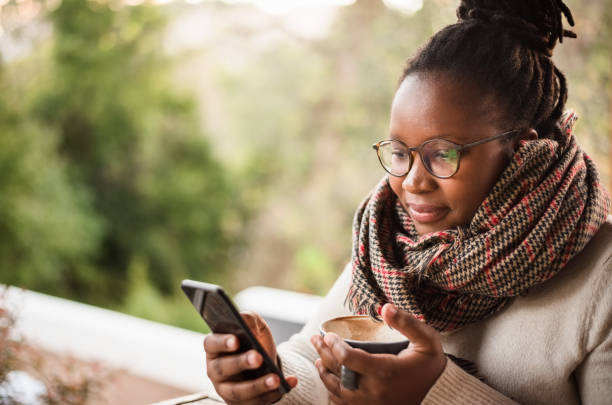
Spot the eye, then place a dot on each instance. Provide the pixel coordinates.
(399, 154)
(448, 155)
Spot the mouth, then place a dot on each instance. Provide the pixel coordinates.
(425, 213)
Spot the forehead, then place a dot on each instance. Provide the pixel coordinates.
(434, 105)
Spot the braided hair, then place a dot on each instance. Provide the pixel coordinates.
(504, 47)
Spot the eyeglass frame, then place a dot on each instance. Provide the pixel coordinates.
(419, 149)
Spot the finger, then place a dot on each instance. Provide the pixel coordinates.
(253, 320)
(338, 393)
(336, 400)
(248, 390)
(330, 380)
(217, 343)
(262, 332)
(223, 367)
(325, 353)
(423, 338)
(355, 359)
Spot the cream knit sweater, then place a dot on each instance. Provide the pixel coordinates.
(552, 346)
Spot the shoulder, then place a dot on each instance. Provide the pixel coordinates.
(596, 263)
(580, 294)
(578, 299)
(595, 260)
(602, 241)
(587, 271)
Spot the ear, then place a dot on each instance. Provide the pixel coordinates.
(528, 134)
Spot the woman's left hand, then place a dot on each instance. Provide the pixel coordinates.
(404, 378)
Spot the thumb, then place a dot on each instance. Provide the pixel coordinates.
(423, 338)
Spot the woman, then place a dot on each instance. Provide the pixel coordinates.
(487, 244)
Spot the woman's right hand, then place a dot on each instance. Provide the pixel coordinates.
(224, 366)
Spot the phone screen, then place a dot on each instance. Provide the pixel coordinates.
(215, 312)
(222, 317)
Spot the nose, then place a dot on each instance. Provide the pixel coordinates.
(418, 180)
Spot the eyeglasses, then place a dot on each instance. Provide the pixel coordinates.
(440, 157)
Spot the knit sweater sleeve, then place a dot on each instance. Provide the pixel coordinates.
(298, 356)
(455, 386)
(593, 375)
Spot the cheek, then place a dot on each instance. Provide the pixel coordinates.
(396, 185)
(464, 197)
(473, 184)
(465, 191)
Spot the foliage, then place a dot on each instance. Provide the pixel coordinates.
(72, 382)
(326, 101)
(312, 107)
(67, 381)
(7, 347)
(9, 350)
(124, 168)
(314, 272)
(136, 144)
(48, 230)
(106, 164)
(144, 300)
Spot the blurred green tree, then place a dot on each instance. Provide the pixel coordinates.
(48, 230)
(140, 182)
(310, 108)
(292, 118)
(324, 102)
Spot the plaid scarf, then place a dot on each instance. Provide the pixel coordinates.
(544, 209)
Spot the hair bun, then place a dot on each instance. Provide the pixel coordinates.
(537, 23)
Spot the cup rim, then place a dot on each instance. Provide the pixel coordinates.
(341, 318)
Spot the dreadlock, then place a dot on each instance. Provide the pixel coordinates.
(505, 47)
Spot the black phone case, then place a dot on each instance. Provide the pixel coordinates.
(220, 314)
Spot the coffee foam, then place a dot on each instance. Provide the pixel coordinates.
(362, 328)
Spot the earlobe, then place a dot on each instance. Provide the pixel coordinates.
(529, 134)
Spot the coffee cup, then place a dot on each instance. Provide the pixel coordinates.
(362, 332)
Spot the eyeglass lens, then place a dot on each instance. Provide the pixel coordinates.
(440, 158)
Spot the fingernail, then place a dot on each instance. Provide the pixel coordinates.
(316, 342)
(329, 339)
(259, 326)
(230, 343)
(392, 310)
(271, 382)
(252, 359)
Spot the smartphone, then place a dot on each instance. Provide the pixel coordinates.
(221, 315)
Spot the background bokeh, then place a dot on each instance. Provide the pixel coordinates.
(145, 142)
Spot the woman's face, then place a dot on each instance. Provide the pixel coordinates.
(428, 106)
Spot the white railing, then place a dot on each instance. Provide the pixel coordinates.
(163, 353)
(152, 350)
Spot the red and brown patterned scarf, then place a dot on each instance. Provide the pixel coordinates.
(546, 206)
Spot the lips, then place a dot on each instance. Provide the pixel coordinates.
(426, 213)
